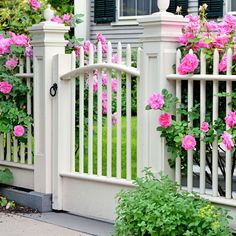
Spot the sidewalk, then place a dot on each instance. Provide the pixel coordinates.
(15, 225)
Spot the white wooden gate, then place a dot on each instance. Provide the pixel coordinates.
(88, 182)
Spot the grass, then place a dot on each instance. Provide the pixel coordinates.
(104, 154)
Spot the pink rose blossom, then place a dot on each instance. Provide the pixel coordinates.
(188, 142)
(101, 38)
(165, 120)
(5, 87)
(114, 85)
(19, 131)
(104, 79)
(204, 127)
(5, 45)
(114, 58)
(20, 40)
(223, 64)
(156, 101)
(230, 119)
(189, 64)
(227, 140)
(104, 102)
(11, 64)
(57, 19)
(86, 47)
(114, 118)
(183, 40)
(29, 52)
(104, 48)
(34, 4)
(66, 17)
(95, 84)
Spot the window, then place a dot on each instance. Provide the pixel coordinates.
(215, 8)
(232, 5)
(137, 7)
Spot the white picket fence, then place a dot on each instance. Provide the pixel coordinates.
(215, 78)
(16, 155)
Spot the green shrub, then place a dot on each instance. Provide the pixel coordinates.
(156, 207)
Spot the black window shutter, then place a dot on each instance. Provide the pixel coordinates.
(180, 3)
(215, 8)
(104, 11)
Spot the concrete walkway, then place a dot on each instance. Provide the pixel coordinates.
(15, 225)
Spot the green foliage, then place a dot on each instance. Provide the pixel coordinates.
(156, 207)
(6, 176)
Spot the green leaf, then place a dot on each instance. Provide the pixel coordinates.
(6, 176)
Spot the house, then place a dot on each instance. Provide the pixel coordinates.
(117, 20)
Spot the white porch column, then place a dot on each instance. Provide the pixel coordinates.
(47, 41)
(83, 7)
(160, 40)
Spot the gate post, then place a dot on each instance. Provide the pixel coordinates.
(160, 40)
(47, 41)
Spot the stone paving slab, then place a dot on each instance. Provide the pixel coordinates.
(15, 225)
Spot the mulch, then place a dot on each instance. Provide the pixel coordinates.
(18, 209)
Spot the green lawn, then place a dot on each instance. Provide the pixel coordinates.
(104, 144)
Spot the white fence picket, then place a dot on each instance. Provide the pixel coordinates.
(228, 161)
(128, 115)
(202, 119)
(119, 122)
(81, 114)
(178, 118)
(90, 116)
(109, 112)
(215, 117)
(99, 122)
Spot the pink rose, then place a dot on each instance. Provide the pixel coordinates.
(165, 120)
(11, 64)
(204, 127)
(34, 4)
(156, 101)
(104, 79)
(5, 87)
(57, 19)
(114, 85)
(188, 142)
(29, 52)
(227, 140)
(104, 102)
(223, 64)
(95, 84)
(19, 131)
(86, 47)
(230, 119)
(114, 58)
(5, 45)
(20, 40)
(66, 17)
(101, 38)
(114, 118)
(189, 64)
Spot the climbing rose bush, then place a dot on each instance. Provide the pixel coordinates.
(15, 47)
(206, 36)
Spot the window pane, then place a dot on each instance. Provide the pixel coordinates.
(127, 8)
(233, 5)
(154, 6)
(143, 7)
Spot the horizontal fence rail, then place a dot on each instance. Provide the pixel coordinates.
(13, 152)
(196, 88)
(106, 114)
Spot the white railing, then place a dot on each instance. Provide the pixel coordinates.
(12, 152)
(191, 79)
(93, 163)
